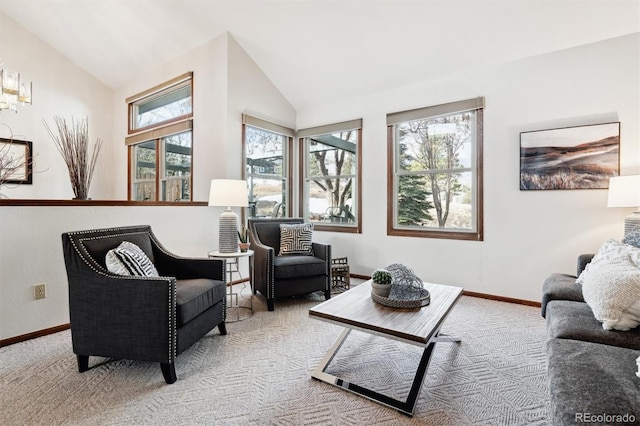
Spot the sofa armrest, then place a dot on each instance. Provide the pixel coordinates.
(560, 287)
(108, 312)
(583, 260)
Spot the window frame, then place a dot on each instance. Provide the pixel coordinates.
(303, 136)
(157, 133)
(287, 161)
(477, 234)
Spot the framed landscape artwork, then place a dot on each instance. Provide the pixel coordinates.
(581, 157)
(16, 161)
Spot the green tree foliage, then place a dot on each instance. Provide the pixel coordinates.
(413, 197)
(439, 149)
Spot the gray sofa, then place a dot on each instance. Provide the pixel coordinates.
(591, 371)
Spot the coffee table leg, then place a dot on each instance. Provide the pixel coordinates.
(406, 407)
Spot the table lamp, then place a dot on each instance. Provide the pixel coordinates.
(624, 191)
(228, 193)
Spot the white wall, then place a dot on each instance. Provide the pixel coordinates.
(59, 88)
(528, 234)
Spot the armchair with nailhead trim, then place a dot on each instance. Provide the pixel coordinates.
(139, 318)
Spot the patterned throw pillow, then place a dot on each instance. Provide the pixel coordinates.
(296, 239)
(129, 259)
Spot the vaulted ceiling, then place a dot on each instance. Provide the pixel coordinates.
(318, 50)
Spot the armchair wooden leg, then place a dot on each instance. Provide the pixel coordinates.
(83, 363)
(169, 372)
(270, 304)
(222, 327)
(327, 294)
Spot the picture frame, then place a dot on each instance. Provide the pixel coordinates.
(578, 157)
(21, 152)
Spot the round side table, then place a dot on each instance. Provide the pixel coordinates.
(242, 311)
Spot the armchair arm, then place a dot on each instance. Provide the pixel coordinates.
(262, 267)
(323, 251)
(122, 317)
(181, 268)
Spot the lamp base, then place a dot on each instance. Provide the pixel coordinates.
(228, 232)
(632, 222)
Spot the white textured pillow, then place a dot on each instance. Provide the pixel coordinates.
(129, 259)
(611, 285)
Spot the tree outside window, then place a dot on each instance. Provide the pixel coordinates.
(436, 173)
(331, 182)
(266, 168)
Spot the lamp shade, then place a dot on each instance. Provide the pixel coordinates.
(624, 191)
(228, 193)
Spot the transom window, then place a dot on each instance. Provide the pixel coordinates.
(161, 142)
(266, 165)
(330, 188)
(435, 161)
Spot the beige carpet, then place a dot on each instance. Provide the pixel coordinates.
(260, 374)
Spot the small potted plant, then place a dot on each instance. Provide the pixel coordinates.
(243, 236)
(381, 282)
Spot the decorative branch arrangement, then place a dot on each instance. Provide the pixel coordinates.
(72, 142)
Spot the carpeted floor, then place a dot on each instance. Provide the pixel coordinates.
(260, 373)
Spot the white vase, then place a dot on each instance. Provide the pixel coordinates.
(382, 290)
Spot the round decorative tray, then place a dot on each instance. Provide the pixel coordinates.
(415, 300)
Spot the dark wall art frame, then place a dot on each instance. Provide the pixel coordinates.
(20, 152)
(579, 157)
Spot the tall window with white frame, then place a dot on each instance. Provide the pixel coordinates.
(266, 148)
(160, 142)
(330, 187)
(435, 168)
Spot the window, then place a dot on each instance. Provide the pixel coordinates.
(435, 161)
(160, 142)
(266, 164)
(330, 189)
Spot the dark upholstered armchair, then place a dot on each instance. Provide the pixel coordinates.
(289, 275)
(139, 317)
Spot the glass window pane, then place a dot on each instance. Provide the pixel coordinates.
(331, 200)
(145, 160)
(435, 200)
(264, 152)
(267, 198)
(177, 155)
(168, 104)
(144, 191)
(439, 143)
(332, 155)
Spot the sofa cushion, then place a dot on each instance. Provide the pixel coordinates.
(590, 379)
(129, 259)
(560, 287)
(195, 296)
(291, 266)
(574, 320)
(611, 285)
(295, 239)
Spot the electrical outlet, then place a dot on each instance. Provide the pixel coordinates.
(40, 291)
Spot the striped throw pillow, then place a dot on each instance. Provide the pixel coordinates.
(129, 259)
(296, 239)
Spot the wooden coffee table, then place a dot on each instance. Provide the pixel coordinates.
(355, 310)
